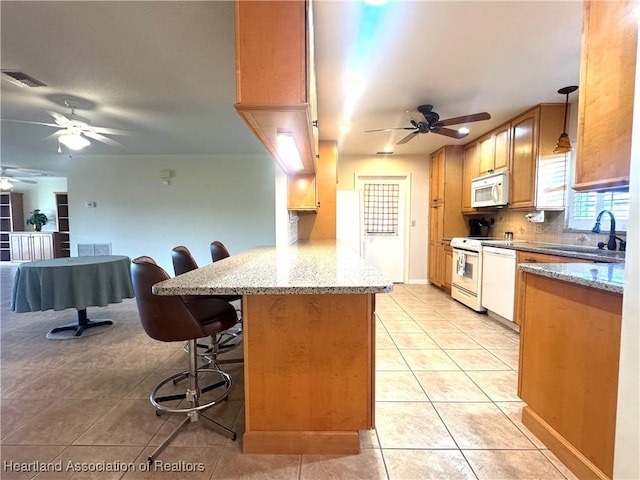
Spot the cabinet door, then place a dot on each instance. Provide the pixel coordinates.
(20, 247)
(436, 178)
(436, 226)
(448, 259)
(485, 154)
(469, 172)
(42, 247)
(301, 192)
(524, 152)
(605, 104)
(501, 153)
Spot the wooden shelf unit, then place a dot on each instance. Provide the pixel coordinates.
(63, 243)
(11, 220)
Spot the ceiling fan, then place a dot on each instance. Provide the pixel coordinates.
(75, 131)
(432, 123)
(7, 180)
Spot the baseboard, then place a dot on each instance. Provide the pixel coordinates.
(419, 281)
(580, 465)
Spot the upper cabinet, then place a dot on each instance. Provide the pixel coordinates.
(275, 78)
(524, 146)
(538, 176)
(493, 150)
(469, 172)
(605, 106)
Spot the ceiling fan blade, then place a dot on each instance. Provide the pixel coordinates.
(32, 123)
(449, 132)
(60, 119)
(409, 137)
(14, 179)
(475, 117)
(53, 135)
(102, 138)
(389, 129)
(111, 131)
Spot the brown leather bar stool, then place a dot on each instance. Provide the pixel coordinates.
(167, 319)
(220, 252)
(184, 262)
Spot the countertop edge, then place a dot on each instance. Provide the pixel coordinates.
(549, 250)
(554, 270)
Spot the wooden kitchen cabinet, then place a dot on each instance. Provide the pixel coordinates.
(302, 192)
(31, 246)
(275, 75)
(528, 257)
(493, 150)
(469, 172)
(437, 176)
(568, 371)
(538, 176)
(445, 214)
(605, 104)
(11, 220)
(448, 265)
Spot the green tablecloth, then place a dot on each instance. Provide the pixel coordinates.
(75, 282)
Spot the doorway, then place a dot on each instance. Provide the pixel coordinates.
(384, 214)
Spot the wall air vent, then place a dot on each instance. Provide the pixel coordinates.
(22, 79)
(384, 153)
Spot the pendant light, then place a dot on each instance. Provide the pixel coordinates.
(563, 145)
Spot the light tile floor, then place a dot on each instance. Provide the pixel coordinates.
(445, 387)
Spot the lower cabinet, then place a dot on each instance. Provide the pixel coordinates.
(31, 246)
(448, 265)
(529, 257)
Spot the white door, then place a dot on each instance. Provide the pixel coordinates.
(384, 222)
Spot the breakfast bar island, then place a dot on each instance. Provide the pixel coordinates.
(309, 342)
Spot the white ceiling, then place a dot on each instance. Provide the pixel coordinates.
(165, 71)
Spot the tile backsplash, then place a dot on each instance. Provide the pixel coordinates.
(552, 230)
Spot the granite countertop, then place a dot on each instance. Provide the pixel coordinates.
(319, 267)
(605, 276)
(571, 251)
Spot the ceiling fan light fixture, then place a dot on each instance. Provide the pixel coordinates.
(5, 184)
(74, 141)
(563, 145)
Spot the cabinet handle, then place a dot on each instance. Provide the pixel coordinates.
(530, 260)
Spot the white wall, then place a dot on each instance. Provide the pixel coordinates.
(219, 197)
(626, 462)
(41, 195)
(418, 166)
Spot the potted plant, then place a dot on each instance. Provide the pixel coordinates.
(37, 219)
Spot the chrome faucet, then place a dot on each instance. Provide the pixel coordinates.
(611, 244)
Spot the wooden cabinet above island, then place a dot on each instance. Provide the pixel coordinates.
(275, 78)
(309, 342)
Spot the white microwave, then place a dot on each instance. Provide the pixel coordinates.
(490, 190)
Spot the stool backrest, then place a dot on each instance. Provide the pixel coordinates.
(218, 251)
(164, 318)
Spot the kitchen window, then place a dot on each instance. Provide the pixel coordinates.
(585, 206)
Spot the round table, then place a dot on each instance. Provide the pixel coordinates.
(73, 282)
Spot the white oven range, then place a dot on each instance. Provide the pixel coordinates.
(466, 272)
(467, 268)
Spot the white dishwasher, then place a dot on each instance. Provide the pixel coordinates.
(499, 281)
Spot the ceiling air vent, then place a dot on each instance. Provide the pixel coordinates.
(22, 79)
